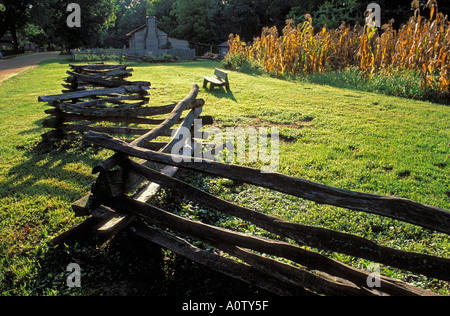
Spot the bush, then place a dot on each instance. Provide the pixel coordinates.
(241, 63)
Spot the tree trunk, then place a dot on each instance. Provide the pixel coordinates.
(13, 30)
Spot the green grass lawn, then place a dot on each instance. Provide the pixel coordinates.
(339, 137)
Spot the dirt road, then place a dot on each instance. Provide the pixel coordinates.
(12, 66)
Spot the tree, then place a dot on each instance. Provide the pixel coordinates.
(40, 27)
(45, 22)
(96, 17)
(130, 14)
(163, 10)
(192, 21)
(13, 17)
(301, 7)
(243, 18)
(218, 21)
(274, 12)
(332, 13)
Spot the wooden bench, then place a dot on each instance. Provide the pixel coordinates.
(220, 80)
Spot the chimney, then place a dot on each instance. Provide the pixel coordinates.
(151, 21)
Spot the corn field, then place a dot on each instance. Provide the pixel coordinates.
(421, 45)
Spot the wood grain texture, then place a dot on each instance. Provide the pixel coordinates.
(398, 208)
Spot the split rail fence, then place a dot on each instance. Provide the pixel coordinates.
(134, 174)
(97, 97)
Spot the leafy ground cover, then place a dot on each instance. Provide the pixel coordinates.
(339, 137)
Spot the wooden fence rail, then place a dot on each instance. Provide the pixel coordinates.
(305, 235)
(118, 200)
(333, 278)
(97, 97)
(402, 209)
(107, 223)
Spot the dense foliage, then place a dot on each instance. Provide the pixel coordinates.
(105, 23)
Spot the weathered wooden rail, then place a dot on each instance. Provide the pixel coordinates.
(140, 167)
(114, 205)
(96, 98)
(108, 223)
(235, 243)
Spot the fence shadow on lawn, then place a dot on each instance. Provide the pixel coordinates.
(47, 160)
(130, 265)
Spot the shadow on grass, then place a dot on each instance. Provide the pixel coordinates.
(221, 93)
(47, 161)
(130, 265)
(62, 60)
(126, 265)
